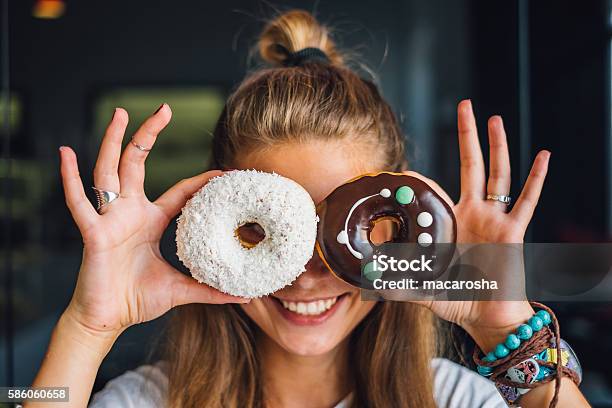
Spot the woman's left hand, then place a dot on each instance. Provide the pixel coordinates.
(486, 221)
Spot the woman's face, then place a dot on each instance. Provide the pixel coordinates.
(317, 311)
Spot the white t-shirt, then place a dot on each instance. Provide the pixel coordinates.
(454, 387)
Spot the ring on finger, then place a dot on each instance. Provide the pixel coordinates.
(140, 147)
(104, 197)
(505, 199)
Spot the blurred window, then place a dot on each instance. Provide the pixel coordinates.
(183, 148)
(15, 112)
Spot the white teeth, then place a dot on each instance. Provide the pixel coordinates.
(310, 308)
(301, 308)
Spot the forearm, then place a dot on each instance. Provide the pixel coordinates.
(569, 396)
(72, 360)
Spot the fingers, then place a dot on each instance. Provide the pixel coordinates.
(186, 290)
(81, 209)
(472, 163)
(499, 161)
(105, 171)
(131, 165)
(527, 201)
(175, 198)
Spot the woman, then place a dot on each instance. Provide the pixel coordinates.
(319, 124)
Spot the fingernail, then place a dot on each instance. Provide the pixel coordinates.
(158, 109)
(497, 118)
(467, 102)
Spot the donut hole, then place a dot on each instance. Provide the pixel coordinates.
(384, 229)
(250, 234)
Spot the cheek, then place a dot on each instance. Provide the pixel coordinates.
(360, 310)
(257, 312)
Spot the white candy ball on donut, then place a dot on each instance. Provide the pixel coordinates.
(207, 242)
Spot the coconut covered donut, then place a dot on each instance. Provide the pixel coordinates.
(247, 233)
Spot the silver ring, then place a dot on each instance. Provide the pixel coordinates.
(139, 147)
(499, 197)
(104, 197)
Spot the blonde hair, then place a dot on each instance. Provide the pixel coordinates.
(324, 101)
(212, 351)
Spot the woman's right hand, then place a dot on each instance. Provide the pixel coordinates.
(124, 279)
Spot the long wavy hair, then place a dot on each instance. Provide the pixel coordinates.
(212, 349)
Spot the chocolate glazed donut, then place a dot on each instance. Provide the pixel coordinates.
(348, 215)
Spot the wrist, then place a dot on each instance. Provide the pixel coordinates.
(532, 355)
(88, 342)
(488, 336)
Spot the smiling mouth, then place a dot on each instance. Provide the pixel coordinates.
(311, 308)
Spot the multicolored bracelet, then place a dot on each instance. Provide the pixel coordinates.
(532, 370)
(529, 357)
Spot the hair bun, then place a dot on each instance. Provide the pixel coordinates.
(293, 31)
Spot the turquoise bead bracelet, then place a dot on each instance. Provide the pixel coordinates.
(534, 353)
(523, 333)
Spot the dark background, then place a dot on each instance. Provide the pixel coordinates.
(543, 65)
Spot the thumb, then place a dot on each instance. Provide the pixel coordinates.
(187, 290)
(175, 198)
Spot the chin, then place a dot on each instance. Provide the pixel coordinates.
(308, 344)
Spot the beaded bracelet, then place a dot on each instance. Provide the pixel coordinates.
(530, 357)
(513, 341)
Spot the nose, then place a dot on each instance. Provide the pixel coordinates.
(315, 271)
